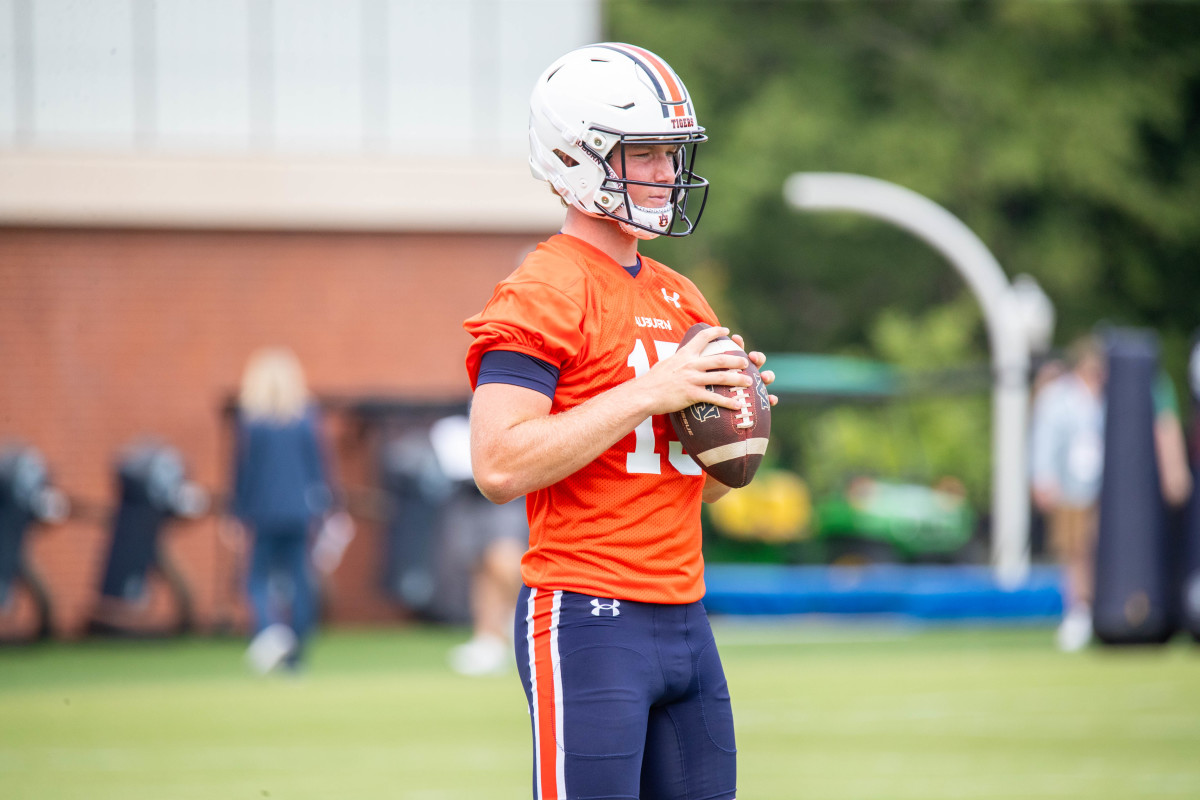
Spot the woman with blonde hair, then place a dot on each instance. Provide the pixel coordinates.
(273, 386)
(280, 493)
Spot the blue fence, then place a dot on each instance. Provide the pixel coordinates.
(922, 592)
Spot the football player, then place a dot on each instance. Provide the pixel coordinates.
(575, 364)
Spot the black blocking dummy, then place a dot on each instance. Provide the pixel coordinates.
(1132, 603)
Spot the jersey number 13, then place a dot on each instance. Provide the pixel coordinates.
(645, 458)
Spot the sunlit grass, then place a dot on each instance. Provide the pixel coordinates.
(822, 710)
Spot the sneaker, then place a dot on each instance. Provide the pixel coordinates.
(1075, 632)
(270, 647)
(483, 655)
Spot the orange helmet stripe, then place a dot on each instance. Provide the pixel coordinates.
(673, 88)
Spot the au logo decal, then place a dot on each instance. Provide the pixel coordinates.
(703, 411)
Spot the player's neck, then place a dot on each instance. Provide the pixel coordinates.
(602, 234)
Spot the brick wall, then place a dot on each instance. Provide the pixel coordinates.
(110, 335)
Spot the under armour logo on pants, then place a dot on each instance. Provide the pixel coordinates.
(613, 608)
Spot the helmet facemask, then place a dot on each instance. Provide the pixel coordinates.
(614, 197)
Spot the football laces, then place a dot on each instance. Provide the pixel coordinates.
(745, 417)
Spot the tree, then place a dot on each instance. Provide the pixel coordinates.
(1066, 135)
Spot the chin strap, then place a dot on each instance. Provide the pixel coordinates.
(640, 233)
(656, 220)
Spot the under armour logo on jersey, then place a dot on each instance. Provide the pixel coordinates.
(614, 608)
(671, 298)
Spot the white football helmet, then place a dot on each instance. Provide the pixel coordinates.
(590, 103)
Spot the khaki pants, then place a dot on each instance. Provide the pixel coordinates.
(1073, 538)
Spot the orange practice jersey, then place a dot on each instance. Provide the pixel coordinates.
(627, 525)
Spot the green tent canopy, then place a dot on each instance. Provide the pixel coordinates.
(816, 376)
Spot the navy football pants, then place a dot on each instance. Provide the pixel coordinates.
(627, 700)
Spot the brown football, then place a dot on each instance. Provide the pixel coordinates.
(729, 445)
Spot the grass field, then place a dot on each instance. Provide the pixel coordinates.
(823, 711)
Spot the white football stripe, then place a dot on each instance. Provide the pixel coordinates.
(750, 447)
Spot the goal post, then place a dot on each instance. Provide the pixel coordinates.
(1018, 317)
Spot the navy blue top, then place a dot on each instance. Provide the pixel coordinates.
(517, 369)
(279, 472)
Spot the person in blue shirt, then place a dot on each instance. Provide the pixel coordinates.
(1066, 465)
(281, 492)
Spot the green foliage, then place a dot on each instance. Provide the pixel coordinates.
(1066, 135)
(921, 438)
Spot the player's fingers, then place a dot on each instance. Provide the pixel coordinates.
(702, 339)
(758, 357)
(718, 399)
(726, 361)
(724, 377)
(774, 399)
(767, 375)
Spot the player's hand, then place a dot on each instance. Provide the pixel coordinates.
(683, 379)
(759, 358)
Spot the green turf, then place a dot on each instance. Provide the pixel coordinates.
(822, 711)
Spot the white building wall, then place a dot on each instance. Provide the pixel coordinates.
(8, 72)
(201, 86)
(81, 75)
(311, 83)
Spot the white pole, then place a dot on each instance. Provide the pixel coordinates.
(820, 191)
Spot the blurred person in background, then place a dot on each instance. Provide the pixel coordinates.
(1045, 373)
(281, 493)
(1067, 467)
(1067, 464)
(1171, 446)
(494, 538)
